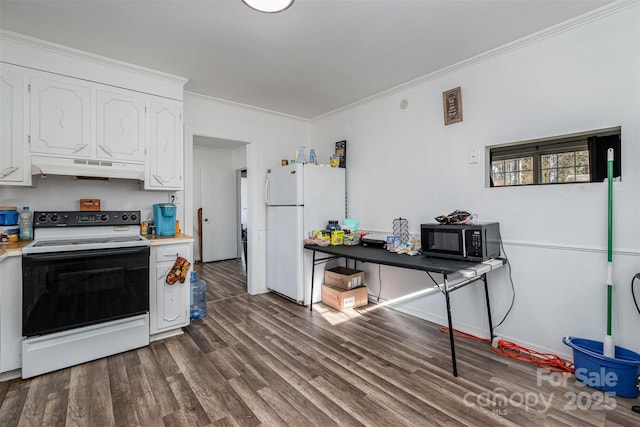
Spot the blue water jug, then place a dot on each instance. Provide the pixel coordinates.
(198, 297)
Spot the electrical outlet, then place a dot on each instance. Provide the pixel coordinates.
(472, 156)
(175, 197)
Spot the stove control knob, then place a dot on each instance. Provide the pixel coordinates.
(54, 217)
(134, 217)
(125, 217)
(104, 217)
(42, 218)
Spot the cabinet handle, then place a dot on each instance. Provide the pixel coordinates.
(78, 148)
(61, 119)
(8, 171)
(106, 150)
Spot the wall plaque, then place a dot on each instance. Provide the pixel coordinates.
(452, 104)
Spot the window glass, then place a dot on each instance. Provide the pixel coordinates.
(559, 160)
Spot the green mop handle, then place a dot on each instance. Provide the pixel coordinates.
(610, 239)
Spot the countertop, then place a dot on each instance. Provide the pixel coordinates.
(15, 248)
(162, 240)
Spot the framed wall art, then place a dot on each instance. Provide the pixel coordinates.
(452, 105)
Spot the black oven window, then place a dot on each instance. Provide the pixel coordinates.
(67, 290)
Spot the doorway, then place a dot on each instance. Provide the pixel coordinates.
(219, 214)
(217, 166)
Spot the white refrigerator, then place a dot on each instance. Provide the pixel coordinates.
(299, 199)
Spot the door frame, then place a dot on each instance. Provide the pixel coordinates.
(254, 269)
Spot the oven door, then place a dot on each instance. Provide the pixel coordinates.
(66, 290)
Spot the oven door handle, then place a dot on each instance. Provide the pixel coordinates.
(55, 256)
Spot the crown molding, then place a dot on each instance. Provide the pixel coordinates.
(244, 106)
(77, 54)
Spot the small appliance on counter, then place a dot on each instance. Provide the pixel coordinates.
(164, 219)
(9, 215)
(475, 242)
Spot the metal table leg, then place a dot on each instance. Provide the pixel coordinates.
(486, 293)
(313, 272)
(453, 347)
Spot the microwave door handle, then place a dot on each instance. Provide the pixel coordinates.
(464, 243)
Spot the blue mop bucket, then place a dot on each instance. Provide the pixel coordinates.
(619, 375)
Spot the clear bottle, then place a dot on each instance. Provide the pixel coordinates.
(301, 157)
(312, 157)
(198, 306)
(26, 224)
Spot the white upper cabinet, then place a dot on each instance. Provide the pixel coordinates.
(121, 126)
(67, 112)
(63, 116)
(60, 117)
(164, 164)
(14, 157)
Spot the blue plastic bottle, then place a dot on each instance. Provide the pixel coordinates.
(198, 297)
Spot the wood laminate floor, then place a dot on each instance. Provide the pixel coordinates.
(264, 361)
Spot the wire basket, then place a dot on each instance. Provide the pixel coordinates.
(401, 229)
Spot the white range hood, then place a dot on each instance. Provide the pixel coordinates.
(43, 165)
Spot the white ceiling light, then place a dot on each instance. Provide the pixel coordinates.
(269, 6)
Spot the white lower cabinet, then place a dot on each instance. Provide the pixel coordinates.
(168, 304)
(10, 313)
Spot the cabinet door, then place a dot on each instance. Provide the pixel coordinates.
(60, 118)
(10, 313)
(121, 124)
(169, 304)
(164, 167)
(14, 166)
(171, 309)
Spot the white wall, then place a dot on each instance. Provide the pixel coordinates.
(64, 193)
(271, 137)
(582, 78)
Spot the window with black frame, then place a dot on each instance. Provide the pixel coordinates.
(568, 159)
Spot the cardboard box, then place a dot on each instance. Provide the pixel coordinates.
(341, 299)
(89, 204)
(343, 278)
(337, 237)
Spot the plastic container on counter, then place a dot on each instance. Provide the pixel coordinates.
(8, 215)
(26, 224)
(333, 225)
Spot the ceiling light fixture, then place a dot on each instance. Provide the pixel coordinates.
(269, 6)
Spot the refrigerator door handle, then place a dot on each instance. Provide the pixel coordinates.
(266, 191)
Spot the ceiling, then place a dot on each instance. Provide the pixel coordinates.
(316, 57)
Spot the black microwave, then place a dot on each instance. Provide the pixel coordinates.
(476, 242)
